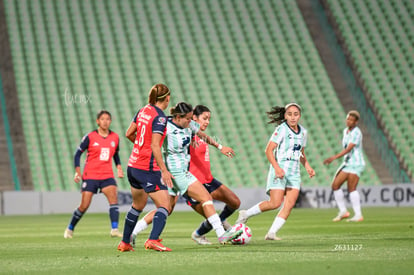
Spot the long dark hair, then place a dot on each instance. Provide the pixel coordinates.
(277, 113)
(199, 109)
(181, 109)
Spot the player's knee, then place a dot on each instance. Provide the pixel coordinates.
(207, 203)
(274, 204)
(235, 203)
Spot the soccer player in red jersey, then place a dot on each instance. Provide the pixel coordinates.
(147, 172)
(102, 145)
(200, 168)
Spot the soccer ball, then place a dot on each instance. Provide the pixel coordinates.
(245, 237)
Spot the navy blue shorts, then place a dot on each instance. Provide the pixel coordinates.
(150, 181)
(97, 185)
(211, 187)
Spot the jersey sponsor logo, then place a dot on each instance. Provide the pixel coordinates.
(95, 144)
(144, 116)
(297, 147)
(104, 156)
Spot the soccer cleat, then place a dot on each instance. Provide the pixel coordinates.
(133, 237)
(341, 216)
(125, 247)
(68, 234)
(226, 225)
(115, 233)
(156, 245)
(242, 217)
(272, 237)
(355, 219)
(229, 235)
(200, 239)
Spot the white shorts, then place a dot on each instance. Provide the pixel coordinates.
(181, 181)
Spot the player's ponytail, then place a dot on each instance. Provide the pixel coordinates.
(181, 109)
(158, 92)
(277, 114)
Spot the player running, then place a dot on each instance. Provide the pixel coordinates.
(288, 141)
(102, 145)
(200, 168)
(350, 170)
(147, 172)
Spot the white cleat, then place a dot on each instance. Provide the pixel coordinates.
(133, 238)
(341, 216)
(242, 217)
(202, 240)
(68, 234)
(115, 233)
(272, 237)
(355, 219)
(226, 225)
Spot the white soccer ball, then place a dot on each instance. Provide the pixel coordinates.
(245, 237)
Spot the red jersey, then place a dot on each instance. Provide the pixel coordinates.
(200, 161)
(101, 150)
(149, 120)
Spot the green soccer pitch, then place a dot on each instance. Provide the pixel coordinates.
(382, 244)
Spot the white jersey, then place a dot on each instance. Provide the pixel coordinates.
(176, 145)
(355, 157)
(290, 144)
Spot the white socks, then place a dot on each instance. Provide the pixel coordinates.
(356, 203)
(340, 201)
(276, 225)
(353, 197)
(215, 222)
(140, 226)
(253, 211)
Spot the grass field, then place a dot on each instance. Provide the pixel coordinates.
(312, 244)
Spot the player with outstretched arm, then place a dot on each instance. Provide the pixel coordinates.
(285, 152)
(350, 170)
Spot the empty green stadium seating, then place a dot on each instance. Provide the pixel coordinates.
(379, 37)
(238, 57)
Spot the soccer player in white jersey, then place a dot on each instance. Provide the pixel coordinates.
(283, 180)
(350, 169)
(180, 131)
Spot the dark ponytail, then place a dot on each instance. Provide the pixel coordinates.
(181, 109)
(276, 115)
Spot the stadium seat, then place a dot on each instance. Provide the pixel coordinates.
(239, 58)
